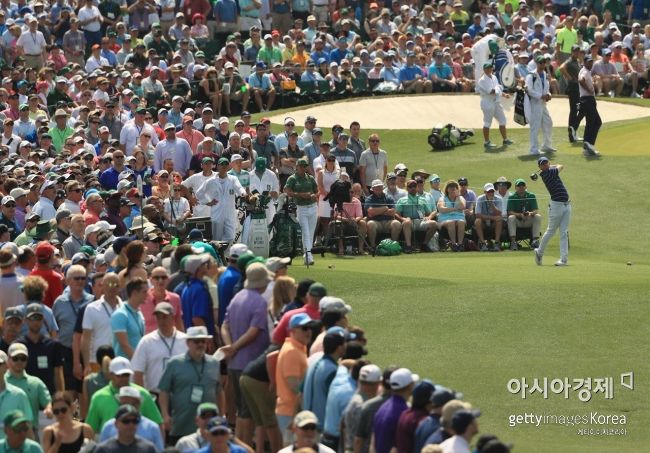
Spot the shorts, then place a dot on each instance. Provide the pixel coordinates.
(260, 401)
(421, 224)
(242, 407)
(492, 110)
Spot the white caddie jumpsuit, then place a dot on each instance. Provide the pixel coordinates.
(223, 214)
(537, 85)
(491, 102)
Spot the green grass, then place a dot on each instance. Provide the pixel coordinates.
(473, 321)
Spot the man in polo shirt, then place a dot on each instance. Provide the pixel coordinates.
(45, 358)
(61, 131)
(34, 388)
(302, 186)
(127, 321)
(127, 418)
(245, 333)
(411, 78)
(8, 217)
(315, 293)
(291, 369)
(195, 298)
(381, 214)
(488, 218)
(175, 148)
(523, 213)
(157, 347)
(415, 215)
(559, 211)
(45, 268)
(565, 39)
(14, 435)
(45, 205)
(305, 430)
(321, 374)
(130, 133)
(387, 417)
(229, 279)
(188, 380)
(104, 402)
(373, 163)
(264, 180)
(110, 177)
(13, 321)
(345, 156)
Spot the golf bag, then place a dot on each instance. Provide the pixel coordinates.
(286, 240)
(447, 137)
(520, 113)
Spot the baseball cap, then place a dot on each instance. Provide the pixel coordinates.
(125, 410)
(13, 313)
(300, 320)
(302, 162)
(120, 365)
(463, 418)
(206, 407)
(541, 160)
(275, 263)
(164, 308)
(305, 418)
(317, 290)
(17, 349)
(488, 187)
(44, 250)
(129, 392)
(329, 303)
(237, 250)
(377, 183)
(370, 374)
(218, 424)
(35, 308)
(401, 378)
(15, 418)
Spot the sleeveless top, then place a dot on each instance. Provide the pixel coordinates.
(73, 447)
(454, 215)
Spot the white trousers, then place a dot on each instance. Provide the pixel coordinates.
(307, 218)
(224, 228)
(492, 110)
(539, 118)
(559, 216)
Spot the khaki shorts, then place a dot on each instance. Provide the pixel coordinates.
(260, 401)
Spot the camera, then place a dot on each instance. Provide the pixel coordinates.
(534, 176)
(339, 193)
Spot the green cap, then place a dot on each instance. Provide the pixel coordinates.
(199, 54)
(519, 182)
(23, 107)
(88, 250)
(303, 162)
(487, 65)
(223, 161)
(540, 59)
(317, 290)
(141, 110)
(207, 159)
(244, 259)
(434, 177)
(260, 163)
(15, 418)
(257, 259)
(205, 248)
(206, 407)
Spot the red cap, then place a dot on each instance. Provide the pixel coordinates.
(265, 120)
(44, 250)
(275, 33)
(132, 193)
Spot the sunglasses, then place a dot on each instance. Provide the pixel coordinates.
(159, 277)
(163, 177)
(208, 415)
(10, 205)
(220, 433)
(412, 186)
(60, 410)
(290, 124)
(80, 278)
(130, 421)
(19, 358)
(35, 318)
(198, 341)
(373, 140)
(309, 427)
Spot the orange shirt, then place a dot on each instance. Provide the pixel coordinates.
(622, 63)
(292, 362)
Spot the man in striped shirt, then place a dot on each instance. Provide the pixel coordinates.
(559, 211)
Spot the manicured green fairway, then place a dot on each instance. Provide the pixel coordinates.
(473, 321)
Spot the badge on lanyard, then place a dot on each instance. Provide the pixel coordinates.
(197, 394)
(41, 361)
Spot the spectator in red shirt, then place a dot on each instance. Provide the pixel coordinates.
(44, 268)
(316, 292)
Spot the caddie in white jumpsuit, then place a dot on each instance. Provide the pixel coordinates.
(491, 92)
(220, 193)
(538, 94)
(264, 180)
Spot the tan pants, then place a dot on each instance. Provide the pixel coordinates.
(531, 221)
(34, 61)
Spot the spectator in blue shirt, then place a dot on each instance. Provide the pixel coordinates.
(389, 73)
(476, 27)
(340, 52)
(228, 280)
(441, 75)
(262, 87)
(321, 374)
(195, 299)
(320, 52)
(411, 78)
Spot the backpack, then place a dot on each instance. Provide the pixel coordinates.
(388, 247)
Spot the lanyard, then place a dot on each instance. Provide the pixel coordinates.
(170, 348)
(136, 319)
(74, 310)
(108, 313)
(199, 374)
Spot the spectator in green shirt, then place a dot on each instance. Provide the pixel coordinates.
(34, 388)
(104, 402)
(16, 430)
(415, 214)
(269, 54)
(62, 131)
(11, 399)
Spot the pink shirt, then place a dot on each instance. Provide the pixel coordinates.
(150, 304)
(193, 139)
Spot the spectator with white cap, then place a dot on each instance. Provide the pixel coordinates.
(385, 421)
(229, 279)
(262, 88)
(146, 428)
(305, 430)
(370, 376)
(11, 294)
(187, 381)
(45, 205)
(195, 298)
(104, 403)
(8, 216)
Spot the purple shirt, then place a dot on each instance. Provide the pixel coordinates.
(385, 423)
(247, 309)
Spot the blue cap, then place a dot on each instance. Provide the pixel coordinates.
(218, 424)
(338, 330)
(322, 60)
(541, 160)
(300, 320)
(195, 235)
(260, 64)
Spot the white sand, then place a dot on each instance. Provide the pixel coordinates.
(426, 111)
